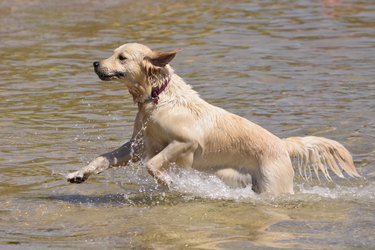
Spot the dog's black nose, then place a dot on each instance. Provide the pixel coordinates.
(96, 64)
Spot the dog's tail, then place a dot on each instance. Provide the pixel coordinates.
(319, 153)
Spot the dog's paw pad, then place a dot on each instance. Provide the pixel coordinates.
(76, 177)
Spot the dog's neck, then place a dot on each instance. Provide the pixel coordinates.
(146, 92)
(156, 91)
(171, 89)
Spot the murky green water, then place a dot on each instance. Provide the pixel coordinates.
(294, 67)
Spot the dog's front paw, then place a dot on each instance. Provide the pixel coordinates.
(165, 181)
(76, 177)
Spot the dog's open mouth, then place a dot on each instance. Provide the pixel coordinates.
(109, 77)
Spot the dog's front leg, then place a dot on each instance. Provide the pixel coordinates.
(118, 157)
(175, 152)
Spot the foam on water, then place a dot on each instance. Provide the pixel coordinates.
(194, 184)
(207, 186)
(197, 184)
(362, 192)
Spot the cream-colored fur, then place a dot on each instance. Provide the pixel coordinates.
(183, 129)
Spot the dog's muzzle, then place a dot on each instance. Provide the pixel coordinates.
(104, 75)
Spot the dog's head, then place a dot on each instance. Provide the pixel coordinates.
(134, 64)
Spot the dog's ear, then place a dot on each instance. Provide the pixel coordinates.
(160, 59)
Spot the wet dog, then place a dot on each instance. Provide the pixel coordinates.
(178, 127)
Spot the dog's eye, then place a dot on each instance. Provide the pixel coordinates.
(122, 58)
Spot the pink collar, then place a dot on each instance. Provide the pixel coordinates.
(155, 92)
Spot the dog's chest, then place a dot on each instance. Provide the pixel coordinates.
(154, 138)
(153, 144)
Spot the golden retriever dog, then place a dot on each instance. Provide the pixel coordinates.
(174, 126)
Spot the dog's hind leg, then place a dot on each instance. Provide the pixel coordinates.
(275, 176)
(234, 178)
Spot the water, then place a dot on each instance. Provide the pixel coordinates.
(294, 67)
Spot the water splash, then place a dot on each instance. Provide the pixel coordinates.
(193, 184)
(137, 145)
(202, 185)
(207, 186)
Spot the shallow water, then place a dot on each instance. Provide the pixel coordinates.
(294, 67)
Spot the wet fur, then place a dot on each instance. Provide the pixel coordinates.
(186, 130)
